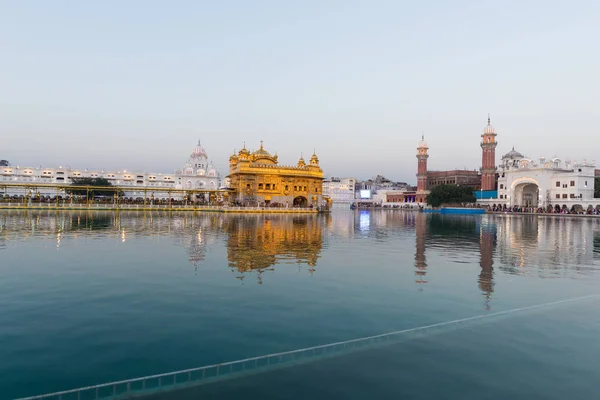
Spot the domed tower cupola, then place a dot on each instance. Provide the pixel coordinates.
(314, 160)
(233, 159)
(244, 154)
(313, 164)
(301, 162)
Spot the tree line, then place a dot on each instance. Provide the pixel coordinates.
(97, 187)
(450, 194)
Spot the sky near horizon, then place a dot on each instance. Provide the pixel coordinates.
(134, 84)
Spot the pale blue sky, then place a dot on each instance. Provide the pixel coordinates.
(134, 84)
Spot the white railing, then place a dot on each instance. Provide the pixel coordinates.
(196, 376)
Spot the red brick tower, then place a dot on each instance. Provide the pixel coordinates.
(488, 157)
(422, 156)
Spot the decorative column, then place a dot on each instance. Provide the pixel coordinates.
(488, 157)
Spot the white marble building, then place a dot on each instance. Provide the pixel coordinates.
(339, 190)
(197, 173)
(555, 182)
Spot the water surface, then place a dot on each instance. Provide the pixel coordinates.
(94, 297)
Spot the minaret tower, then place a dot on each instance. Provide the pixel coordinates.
(422, 157)
(488, 157)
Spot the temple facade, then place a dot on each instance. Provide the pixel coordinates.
(256, 178)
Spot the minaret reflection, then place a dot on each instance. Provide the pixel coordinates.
(487, 244)
(258, 243)
(420, 259)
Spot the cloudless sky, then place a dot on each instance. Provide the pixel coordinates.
(134, 84)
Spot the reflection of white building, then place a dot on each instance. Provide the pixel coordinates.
(543, 183)
(339, 190)
(197, 173)
(545, 245)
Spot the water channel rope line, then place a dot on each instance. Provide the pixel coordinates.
(152, 384)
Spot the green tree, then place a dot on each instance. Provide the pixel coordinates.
(97, 187)
(4, 163)
(597, 187)
(449, 194)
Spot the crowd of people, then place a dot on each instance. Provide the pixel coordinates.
(545, 210)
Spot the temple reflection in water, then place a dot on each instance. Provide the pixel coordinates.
(257, 243)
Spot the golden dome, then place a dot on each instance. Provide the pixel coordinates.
(262, 152)
(243, 153)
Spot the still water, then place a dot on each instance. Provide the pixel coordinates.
(87, 298)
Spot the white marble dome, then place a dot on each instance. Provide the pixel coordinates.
(198, 152)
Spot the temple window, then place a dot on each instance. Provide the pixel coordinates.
(260, 186)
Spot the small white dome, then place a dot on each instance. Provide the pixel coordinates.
(198, 152)
(489, 129)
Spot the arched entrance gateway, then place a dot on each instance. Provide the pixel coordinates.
(526, 193)
(300, 201)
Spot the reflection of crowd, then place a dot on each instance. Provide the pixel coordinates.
(236, 203)
(548, 210)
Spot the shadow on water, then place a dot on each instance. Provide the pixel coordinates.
(91, 222)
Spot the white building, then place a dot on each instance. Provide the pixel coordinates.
(197, 173)
(339, 190)
(556, 183)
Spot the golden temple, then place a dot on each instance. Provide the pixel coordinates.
(257, 179)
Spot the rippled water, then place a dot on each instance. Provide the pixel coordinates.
(87, 298)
